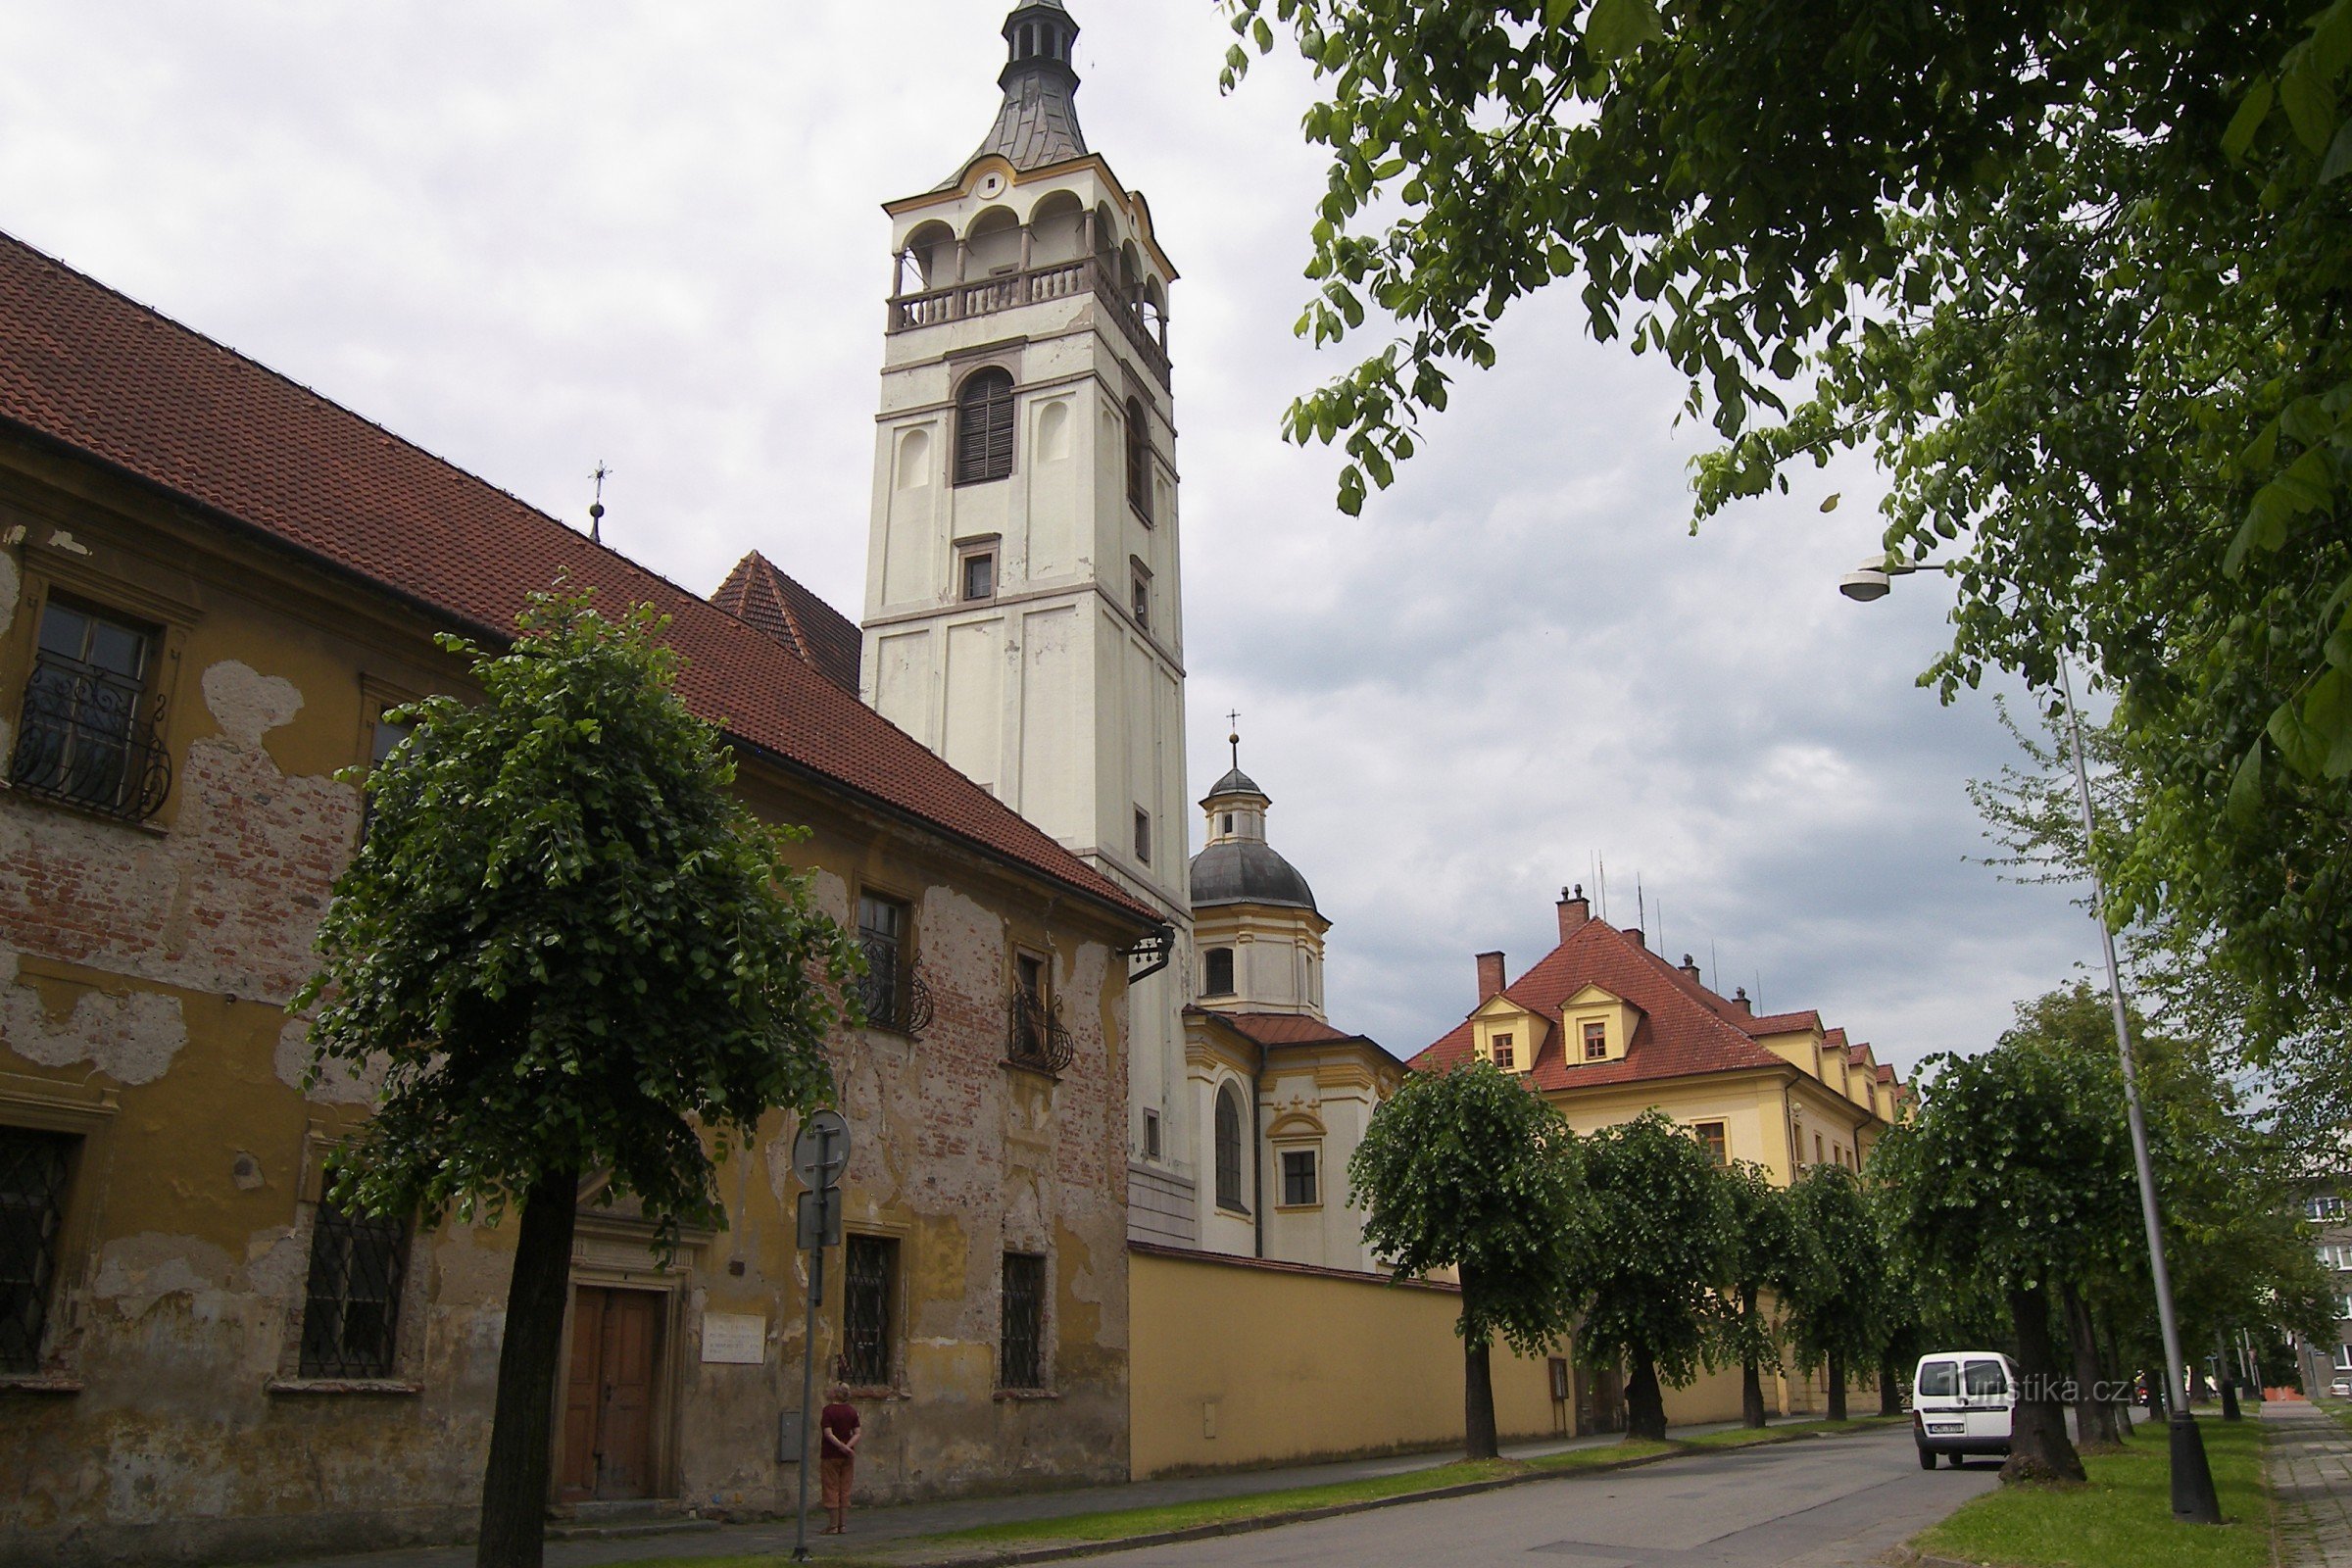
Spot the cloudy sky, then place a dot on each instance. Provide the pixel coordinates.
(533, 234)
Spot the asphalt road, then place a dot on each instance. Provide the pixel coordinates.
(1832, 1502)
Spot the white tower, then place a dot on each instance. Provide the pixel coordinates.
(1022, 609)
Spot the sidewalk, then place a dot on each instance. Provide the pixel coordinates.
(2309, 1460)
(874, 1527)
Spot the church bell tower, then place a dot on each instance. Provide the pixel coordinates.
(1023, 610)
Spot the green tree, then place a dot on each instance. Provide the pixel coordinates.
(1466, 1170)
(1766, 1252)
(1836, 1300)
(2015, 1177)
(572, 952)
(2074, 273)
(1662, 1246)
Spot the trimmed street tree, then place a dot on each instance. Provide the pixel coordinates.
(2015, 1177)
(1467, 1170)
(572, 954)
(1836, 1293)
(1765, 1256)
(2077, 283)
(1662, 1246)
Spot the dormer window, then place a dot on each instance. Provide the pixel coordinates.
(1596, 1041)
(1506, 1053)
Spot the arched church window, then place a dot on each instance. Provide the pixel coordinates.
(983, 427)
(1229, 1150)
(1219, 981)
(1139, 458)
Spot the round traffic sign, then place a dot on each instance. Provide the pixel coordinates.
(821, 1151)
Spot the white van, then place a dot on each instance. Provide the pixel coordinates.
(1961, 1403)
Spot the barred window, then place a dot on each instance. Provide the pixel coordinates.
(1229, 1150)
(89, 733)
(1298, 1178)
(983, 427)
(351, 1317)
(883, 926)
(867, 1330)
(1021, 1351)
(34, 1169)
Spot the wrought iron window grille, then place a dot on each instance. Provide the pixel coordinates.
(893, 991)
(92, 741)
(351, 1313)
(865, 1311)
(1022, 1349)
(34, 1168)
(1035, 1036)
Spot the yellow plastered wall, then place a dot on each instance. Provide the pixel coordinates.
(1233, 1363)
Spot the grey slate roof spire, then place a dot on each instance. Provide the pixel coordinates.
(1038, 125)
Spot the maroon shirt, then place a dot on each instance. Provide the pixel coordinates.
(839, 1421)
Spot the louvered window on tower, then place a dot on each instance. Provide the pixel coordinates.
(351, 1311)
(983, 427)
(1139, 459)
(34, 1168)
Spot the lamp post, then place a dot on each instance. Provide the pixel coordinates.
(2194, 1498)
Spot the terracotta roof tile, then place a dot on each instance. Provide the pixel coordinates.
(1678, 1033)
(1287, 1029)
(760, 591)
(86, 368)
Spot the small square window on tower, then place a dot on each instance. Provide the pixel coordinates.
(1299, 1187)
(1143, 835)
(1139, 592)
(979, 575)
(1151, 1135)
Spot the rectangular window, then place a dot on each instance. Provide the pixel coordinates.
(1219, 979)
(89, 733)
(1298, 1178)
(2343, 1358)
(1506, 1053)
(1596, 1041)
(1022, 1347)
(2344, 1308)
(980, 574)
(1151, 1135)
(1143, 835)
(1818, 1158)
(1715, 1141)
(1139, 596)
(34, 1169)
(866, 1337)
(351, 1311)
(382, 742)
(883, 927)
(2323, 1209)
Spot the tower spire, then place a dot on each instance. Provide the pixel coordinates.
(1038, 125)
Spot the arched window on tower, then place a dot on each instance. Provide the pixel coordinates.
(1139, 458)
(983, 427)
(1229, 1150)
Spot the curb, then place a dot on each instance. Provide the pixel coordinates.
(1062, 1552)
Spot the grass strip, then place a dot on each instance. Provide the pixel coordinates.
(2121, 1517)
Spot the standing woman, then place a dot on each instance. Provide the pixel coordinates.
(838, 1462)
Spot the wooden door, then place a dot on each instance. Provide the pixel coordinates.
(609, 1395)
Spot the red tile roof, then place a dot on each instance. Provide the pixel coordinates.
(1779, 1023)
(1287, 1029)
(88, 369)
(759, 592)
(1677, 1033)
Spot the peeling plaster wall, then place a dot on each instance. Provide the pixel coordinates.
(144, 972)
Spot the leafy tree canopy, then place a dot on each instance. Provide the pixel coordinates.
(1839, 1302)
(1766, 1249)
(1466, 1170)
(565, 944)
(2074, 274)
(1662, 1242)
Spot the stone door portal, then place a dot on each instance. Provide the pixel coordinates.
(608, 1399)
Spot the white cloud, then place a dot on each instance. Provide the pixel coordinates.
(538, 234)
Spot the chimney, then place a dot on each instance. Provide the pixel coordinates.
(1690, 969)
(1739, 1001)
(1574, 911)
(1635, 931)
(1490, 976)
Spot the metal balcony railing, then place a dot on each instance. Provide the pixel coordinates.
(1035, 1036)
(93, 743)
(1035, 285)
(893, 991)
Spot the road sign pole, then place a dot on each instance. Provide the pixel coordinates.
(819, 1154)
(809, 1424)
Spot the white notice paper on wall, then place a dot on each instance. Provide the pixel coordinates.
(736, 1338)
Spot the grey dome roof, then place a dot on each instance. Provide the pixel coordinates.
(1235, 782)
(1248, 871)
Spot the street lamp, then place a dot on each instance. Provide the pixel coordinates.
(2193, 1498)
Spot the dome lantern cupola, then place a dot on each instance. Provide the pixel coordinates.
(1038, 125)
(1237, 865)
